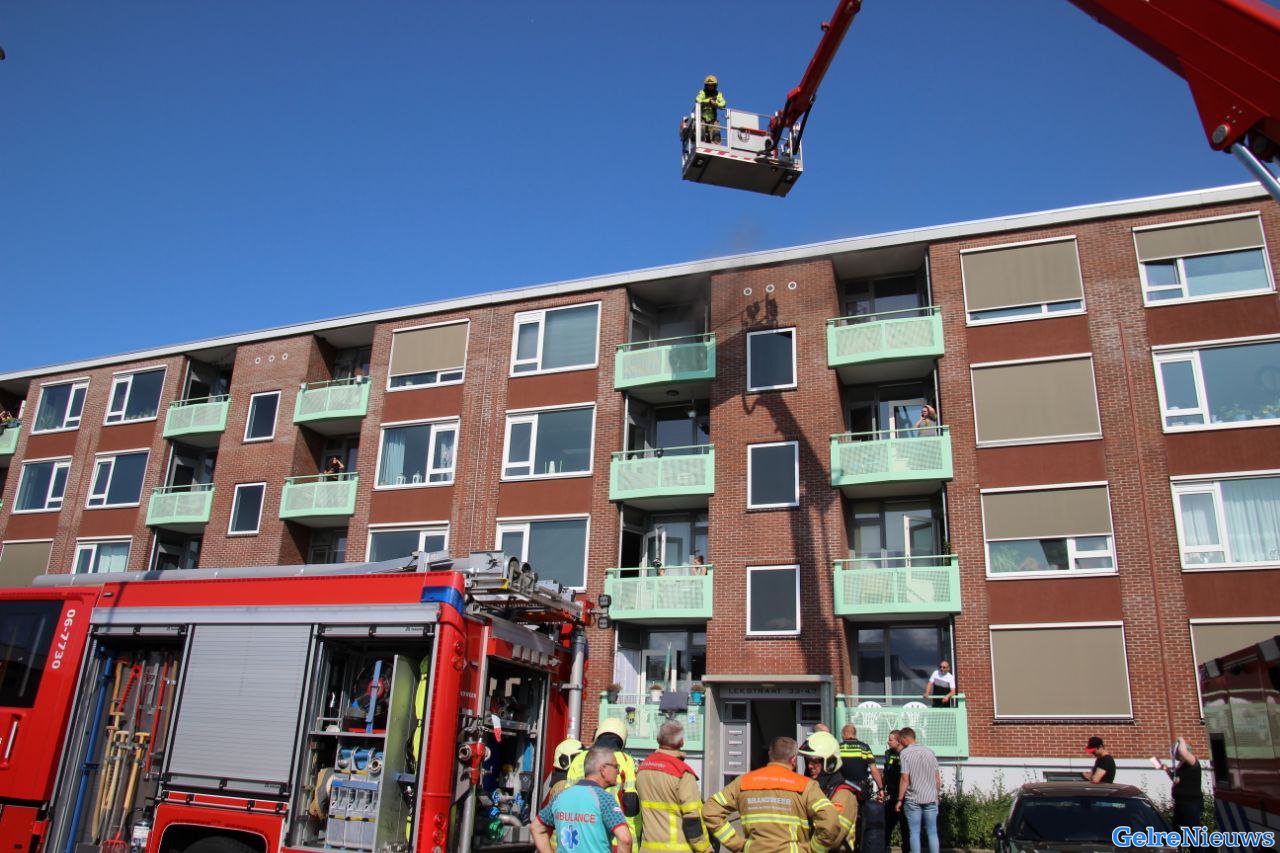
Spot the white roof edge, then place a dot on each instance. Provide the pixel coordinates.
(927, 234)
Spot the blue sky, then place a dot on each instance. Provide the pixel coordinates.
(174, 171)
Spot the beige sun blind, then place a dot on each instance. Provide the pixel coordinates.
(1214, 641)
(21, 562)
(1047, 399)
(427, 350)
(1060, 672)
(1047, 514)
(1199, 238)
(1021, 275)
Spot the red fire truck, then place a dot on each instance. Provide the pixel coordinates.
(408, 705)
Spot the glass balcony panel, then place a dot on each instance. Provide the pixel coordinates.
(668, 361)
(321, 500)
(185, 508)
(672, 593)
(944, 730)
(9, 438)
(669, 477)
(643, 719)
(880, 586)
(204, 416)
(342, 402)
(919, 460)
(915, 333)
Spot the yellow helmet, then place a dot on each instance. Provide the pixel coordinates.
(711, 81)
(566, 750)
(823, 745)
(613, 726)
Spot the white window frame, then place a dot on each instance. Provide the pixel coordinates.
(521, 524)
(68, 424)
(1044, 312)
(1147, 289)
(1128, 676)
(91, 545)
(796, 472)
(538, 318)
(248, 421)
(438, 425)
(424, 528)
(59, 463)
(461, 371)
(751, 633)
(126, 378)
(1043, 439)
(109, 459)
(1191, 354)
(1211, 484)
(795, 376)
(531, 416)
(235, 502)
(1073, 551)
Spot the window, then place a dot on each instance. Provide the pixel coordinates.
(773, 475)
(28, 633)
(1048, 531)
(647, 656)
(417, 454)
(555, 339)
(388, 544)
(246, 508)
(135, 396)
(435, 355)
(42, 486)
(261, 423)
(1060, 671)
(771, 359)
(1023, 281)
(173, 551)
(1035, 401)
(894, 662)
(549, 443)
(1227, 523)
(773, 600)
(1214, 639)
(20, 564)
(1219, 386)
(61, 406)
(104, 555)
(117, 480)
(328, 545)
(1202, 260)
(556, 548)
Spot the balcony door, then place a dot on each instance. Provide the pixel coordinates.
(190, 466)
(894, 531)
(878, 295)
(891, 409)
(891, 664)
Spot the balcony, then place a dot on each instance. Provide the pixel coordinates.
(664, 477)
(944, 730)
(184, 509)
(889, 464)
(9, 438)
(321, 500)
(198, 422)
(332, 408)
(890, 587)
(887, 346)
(651, 370)
(659, 596)
(643, 719)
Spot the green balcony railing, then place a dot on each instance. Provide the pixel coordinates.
(340, 398)
(643, 719)
(180, 506)
(319, 497)
(203, 416)
(664, 472)
(944, 730)
(9, 438)
(865, 458)
(913, 333)
(659, 594)
(667, 361)
(906, 586)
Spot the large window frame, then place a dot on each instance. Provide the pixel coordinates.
(1179, 262)
(532, 417)
(76, 398)
(124, 380)
(1025, 311)
(1211, 485)
(795, 568)
(61, 464)
(795, 376)
(422, 528)
(235, 506)
(751, 448)
(538, 319)
(439, 427)
(1052, 438)
(1049, 626)
(522, 524)
(447, 376)
(1191, 354)
(100, 484)
(1075, 551)
(93, 546)
(248, 420)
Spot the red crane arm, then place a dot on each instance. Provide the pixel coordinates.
(800, 99)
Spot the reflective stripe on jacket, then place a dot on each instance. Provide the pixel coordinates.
(669, 796)
(780, 810)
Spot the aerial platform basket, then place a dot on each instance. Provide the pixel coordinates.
(736, 153)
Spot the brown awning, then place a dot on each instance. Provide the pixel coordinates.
(22, 562)
(1199, 238)
(1021, 275)
(1047, 514)
(431, 349)
(1216, 640)
(1043, 399)
(1060, 672)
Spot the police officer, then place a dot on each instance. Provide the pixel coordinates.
(670, 800)
(858, 766)
(612, 733)
(780, 809)
(892, 776)
(822, 763)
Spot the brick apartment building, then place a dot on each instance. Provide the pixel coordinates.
(736, 451)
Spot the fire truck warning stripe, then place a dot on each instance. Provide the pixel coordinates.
(444, 595)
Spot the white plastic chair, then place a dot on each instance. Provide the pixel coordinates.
(868, 720)
(914, 715)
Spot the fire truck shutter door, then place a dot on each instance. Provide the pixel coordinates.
(238, 713)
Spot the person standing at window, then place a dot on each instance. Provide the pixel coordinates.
(334, 467)
(941, 688)
(927, 423)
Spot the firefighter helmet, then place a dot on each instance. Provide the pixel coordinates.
(824, 746)
(565, 751)
(613, 726)
(711, 80)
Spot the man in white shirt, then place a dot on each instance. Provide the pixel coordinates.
(942, 686)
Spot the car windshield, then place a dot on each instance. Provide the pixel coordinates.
(1082, 819)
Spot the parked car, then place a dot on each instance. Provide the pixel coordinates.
(1073, 816)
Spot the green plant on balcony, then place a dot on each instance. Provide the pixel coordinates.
(612, 692)
(655, 692)
(696, 693)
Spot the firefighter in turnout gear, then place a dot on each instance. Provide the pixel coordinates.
(612, 732)
(781, 811)
(822, 763)
(670, 800)
(709, 101)
(566, 751)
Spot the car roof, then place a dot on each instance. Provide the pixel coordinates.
(1079, 789)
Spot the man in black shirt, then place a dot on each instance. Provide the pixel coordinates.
(1188, 798)
(1104, 766)
(892, 776)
